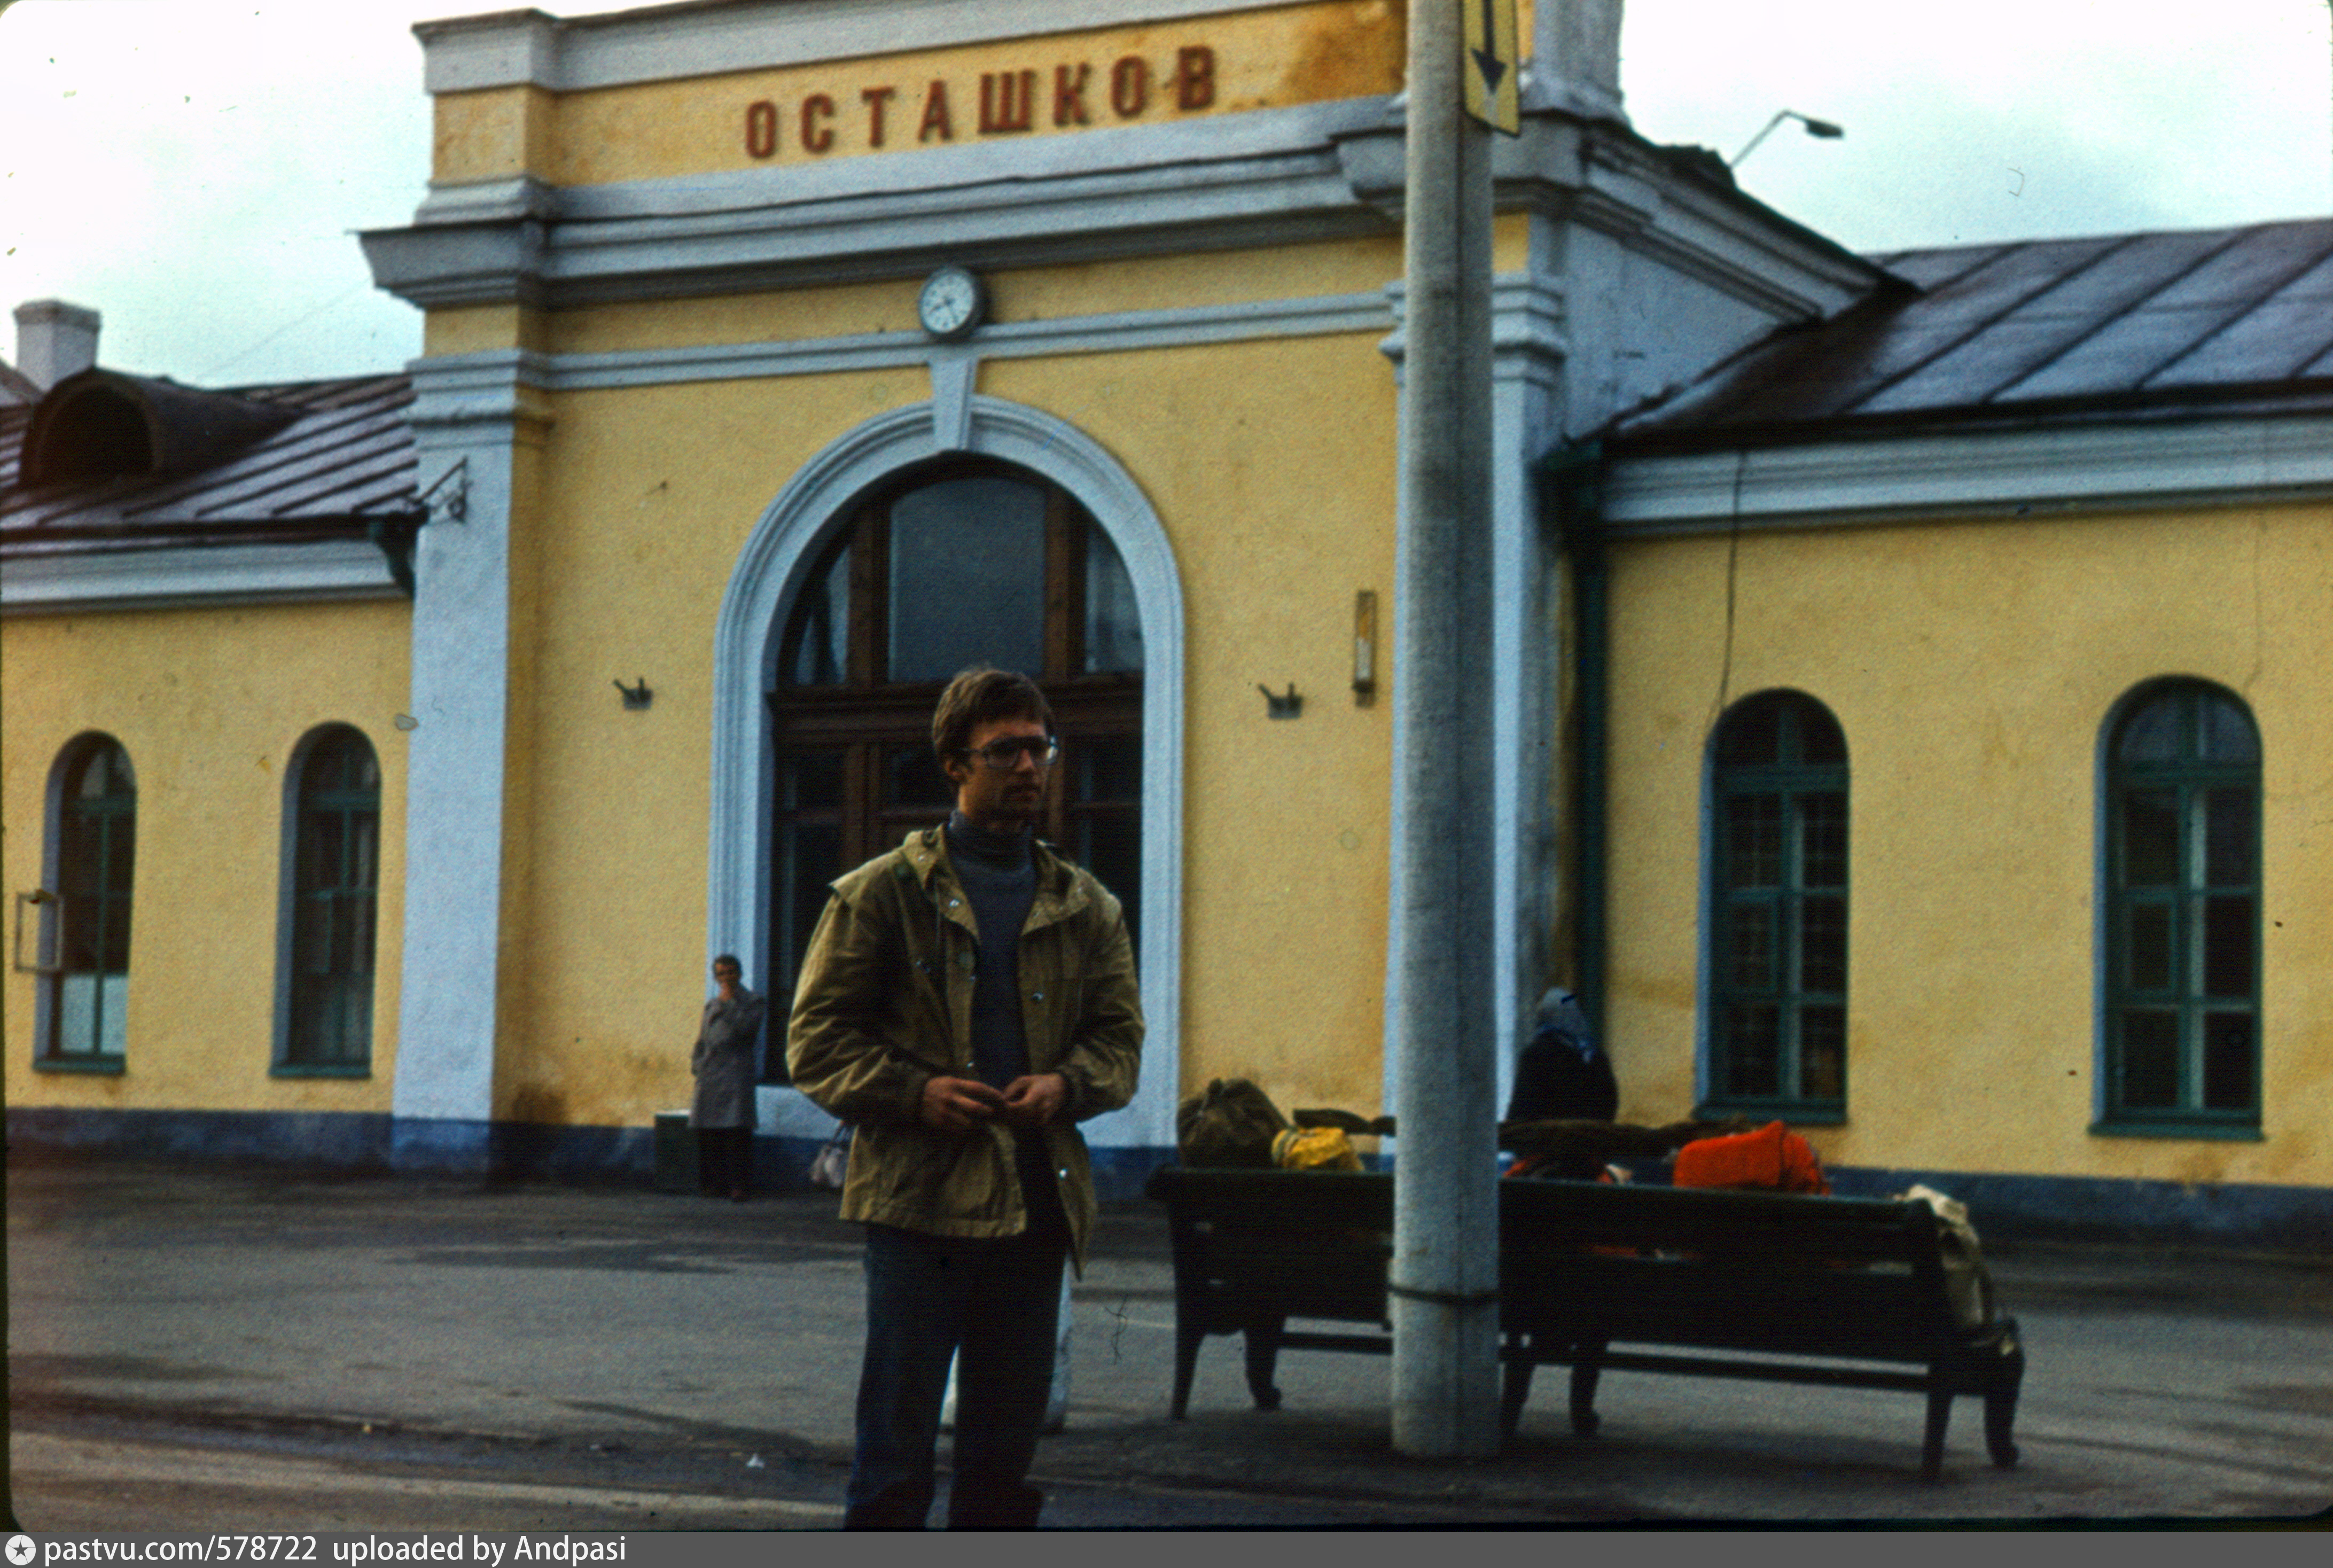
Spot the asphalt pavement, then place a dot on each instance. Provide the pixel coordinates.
(198, 1347)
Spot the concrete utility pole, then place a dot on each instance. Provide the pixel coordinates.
(1445, 1274)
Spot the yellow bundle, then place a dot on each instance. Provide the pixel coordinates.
(1315, 1148)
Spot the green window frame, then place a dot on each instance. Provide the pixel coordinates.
(85, 1000)
(332, 903)
(1777, 929)
(2181, 1026)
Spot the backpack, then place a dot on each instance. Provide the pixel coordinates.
(1230, 1123)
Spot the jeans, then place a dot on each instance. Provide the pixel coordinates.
(927, 1296)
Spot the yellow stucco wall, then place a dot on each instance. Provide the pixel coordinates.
(1972, 667)
(1270, 57)
(647, 499)
(210, 705)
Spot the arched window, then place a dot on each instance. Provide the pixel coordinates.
(96, 843)
(958, 564)
(325, 996)
(1778, 909)
(2183, 910)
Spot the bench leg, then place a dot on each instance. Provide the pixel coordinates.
(1940, 1416)
(2001, 1408)
(1587, 1366)
(1522, 1353)
(1187, 1365)
(1262, 1337)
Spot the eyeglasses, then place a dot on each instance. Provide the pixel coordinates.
(1005, 754)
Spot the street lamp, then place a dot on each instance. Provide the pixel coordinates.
(1821, 127)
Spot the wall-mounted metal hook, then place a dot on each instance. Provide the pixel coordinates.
(1278, 707)
(637, 696)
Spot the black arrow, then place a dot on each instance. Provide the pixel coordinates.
(1494, 69)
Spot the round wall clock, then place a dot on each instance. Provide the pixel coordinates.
(953, 304)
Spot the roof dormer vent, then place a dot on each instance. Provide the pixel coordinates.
(103, 425)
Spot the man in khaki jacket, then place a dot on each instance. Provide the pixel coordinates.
(967, 999)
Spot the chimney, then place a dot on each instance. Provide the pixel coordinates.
(54, 340)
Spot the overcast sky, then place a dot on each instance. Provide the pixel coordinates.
(196, 170)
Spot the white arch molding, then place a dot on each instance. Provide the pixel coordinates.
(772, 569)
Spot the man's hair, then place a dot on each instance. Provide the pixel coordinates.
(979, 695)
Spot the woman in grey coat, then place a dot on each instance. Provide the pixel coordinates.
(723, 1114)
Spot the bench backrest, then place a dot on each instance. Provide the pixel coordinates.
(1590, 1260)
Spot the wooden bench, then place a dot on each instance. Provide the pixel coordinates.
(1594, 1276)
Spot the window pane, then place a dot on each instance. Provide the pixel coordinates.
(2150, 1059)
(1109, 845)
(364, 851)
(2228, 838)
(74, 1006)
(312, 935)
(2227, 731)
(320, 852)
(1819, 741)
(1750, 947)
(361, 925)
(912, 779)
(1822, 1053)
(81, 860)
(818, 644)
(1824, 821)
(2149, 947)
(1753, 841)
(116, 941)
(2150, 838)
(810, 857)
(1752, 1049)
(1106, 767)
(2152, 734)
(1113, 625)
(968, 579)
(113, 1014)
(121, 857)
(811, 780)
(2228, 927)
(1822, 944)
(2228, 1058)
(1752, 734)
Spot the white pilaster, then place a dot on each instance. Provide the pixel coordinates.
(468, 422)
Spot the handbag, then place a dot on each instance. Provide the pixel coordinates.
(832, 1158)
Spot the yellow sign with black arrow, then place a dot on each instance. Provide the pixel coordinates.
(1494, 64)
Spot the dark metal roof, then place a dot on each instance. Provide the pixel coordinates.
(2144, 324)
(15, 387)
(342, 458)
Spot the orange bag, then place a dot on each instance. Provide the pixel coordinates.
(1774, 1158)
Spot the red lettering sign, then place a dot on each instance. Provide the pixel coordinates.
(875, 98)
(1069, 94)
(1195, 77)
(761, 129)
(816, 110)
(1130, 86)
(936, 115)
(1006, 98)
(1008, 102)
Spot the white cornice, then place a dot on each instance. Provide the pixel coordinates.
(207, 577)
(666, 43)
(457, 388)
(2039, 472)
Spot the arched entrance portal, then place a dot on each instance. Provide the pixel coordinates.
(889, 563)
(960, 561)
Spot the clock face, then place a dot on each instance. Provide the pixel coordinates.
(950, 304)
